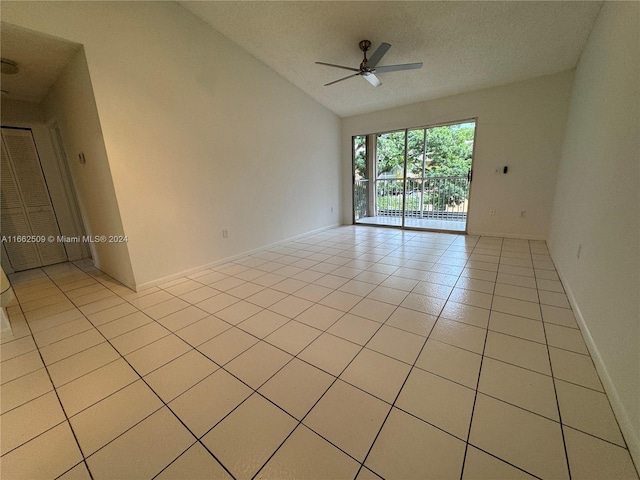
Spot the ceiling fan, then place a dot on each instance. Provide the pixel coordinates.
(368, 67)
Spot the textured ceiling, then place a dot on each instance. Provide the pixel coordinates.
(40, 60)
(464, 45)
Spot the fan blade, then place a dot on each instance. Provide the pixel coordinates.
(341, 79)
(372, 79)
(339, 66)
(378, 54)
(396, 68)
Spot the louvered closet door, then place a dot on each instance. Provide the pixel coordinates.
(26, 206)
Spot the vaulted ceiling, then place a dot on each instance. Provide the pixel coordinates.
(464, 45)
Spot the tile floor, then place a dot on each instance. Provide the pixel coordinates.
(357, 352)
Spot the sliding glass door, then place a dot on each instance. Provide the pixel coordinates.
(414, 178)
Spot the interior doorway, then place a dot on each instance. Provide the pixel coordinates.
(417, 178)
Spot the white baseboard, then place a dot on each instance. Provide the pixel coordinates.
(191, 271)
(626, 426)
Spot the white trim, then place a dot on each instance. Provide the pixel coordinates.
(626, 426)
(191, 271)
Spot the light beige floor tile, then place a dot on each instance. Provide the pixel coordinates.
(355, 329)
(520, 327)
(70, 346)
(517, 280)
(258, 364)
(46, 323)
(180, 374)
(526, 389)
(422, 303)
(549, 285)
(297, 387)
(227, 345)
(523, 271)
(82, 363)
(574, 368)
(397, 343)
(195, 464)
(313, 293)
(590, 457)
(409, 448)
(112, 313)
(148, 300)
(400, 282)
(124, 324)
(477, 274)
(412, 321)
(433, 290)
(441, 278)
(202, 330)
(217, 303)
(517, 292)
(263, 323)
(524, 439)
(289, 285)
(517, 351)
(341, 300)
(372, 277)
(156, 354)
(388, 295)
(23, 389)
(459, 335)
(366, 474)
(588, 411)
(30, 420)
(200, 294)
(79, 472)
(17, 347)
(290, 306)
(306, 455)
(330, 353)
(348, 417)
(170, 439)
(319, 316)
(554, 299)
(209, 401)
(476, 285)
(99, 424)
(442, 403)
(547, 274)
(517, 307)
(376, 374)
(471, 315)
(472, 298)
(456, 364)
(479, 465)
(357, 287)
(96, 385)
(238, 312)
(165, 308)
(19, 366)
(293, 337)
(47, 456)
(558, 316)
(566, 338)
(246, 439)
(138, 338)
(183, 286)
(373, 310)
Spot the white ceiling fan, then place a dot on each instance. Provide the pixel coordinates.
(368, 67)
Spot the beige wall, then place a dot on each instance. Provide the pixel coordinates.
(520, 125)
(597, 205)
(199, 135)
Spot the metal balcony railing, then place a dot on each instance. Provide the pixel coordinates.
(442, 198)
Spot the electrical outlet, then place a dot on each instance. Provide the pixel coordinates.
(492, 211)
(523, 213)
(225, 233)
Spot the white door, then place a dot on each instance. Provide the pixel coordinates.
(27, 213)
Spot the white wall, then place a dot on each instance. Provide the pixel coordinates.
(597, 205)
(200, 136)
(70, 103)
(520, 125)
